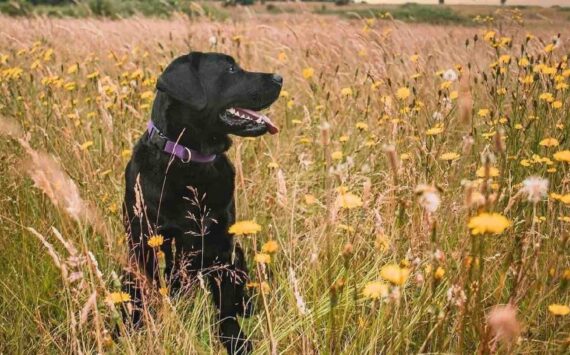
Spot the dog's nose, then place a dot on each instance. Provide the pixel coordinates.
(278, 79)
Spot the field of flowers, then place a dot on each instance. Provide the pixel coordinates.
(416, 200)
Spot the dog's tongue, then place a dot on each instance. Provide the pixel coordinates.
(271, 127)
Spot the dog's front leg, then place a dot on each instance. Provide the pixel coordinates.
(144, 267)
(230, 297)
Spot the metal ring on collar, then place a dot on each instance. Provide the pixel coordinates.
(189, 156)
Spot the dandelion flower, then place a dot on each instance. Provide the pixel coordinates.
(72, 69)
(559, 309)
(346, 92)
(489, 36)
(493, 172)
(362, 126)
(348, 200)
(546, 96)
(126, 153)
(310, 199)
(549, 142)
(449, 156)
(505, 59)
(262, 258)
(308, 73)
(244, 227)
(439, 273)
(270, 247)
(375, 289)
(86, 145)
(484, 112)
(524, 62)
(434, 130)
(403, 93)
(337, 155)
(118, 297)
(395, 274)
(535, 188)
(492, 223)
(155, 241)
(563, 155)
(562, 198)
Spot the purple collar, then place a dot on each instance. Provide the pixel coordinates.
(183, 153)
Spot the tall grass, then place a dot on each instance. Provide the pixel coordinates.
(394, 138)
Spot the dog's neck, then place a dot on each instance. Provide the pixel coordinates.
(168, 118)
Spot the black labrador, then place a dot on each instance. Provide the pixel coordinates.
(180, 184)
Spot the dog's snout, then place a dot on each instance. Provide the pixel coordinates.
(278, 79)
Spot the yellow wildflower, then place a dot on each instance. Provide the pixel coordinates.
(310, 199)
(546, 96)
(362, 126)
(126, 153)
(262, 258)
(395, 274)
(493, 223)
(439, 273)
(434, 130)
(484, 112)
(563, 155)
(86, 145)
(346, 92)
(403, 93)
(72, 69)
(308, 73)
(348, 200)
(118, 297)
(493, 172)
(375, 289)
(549, 142)
(282, 57)
(524, 62)
(93, 75)
(337, 155)
(155, 241)
(244, 227)
(270, 247)
(559, 309)
(449, 156)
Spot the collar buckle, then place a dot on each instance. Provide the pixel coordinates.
(158, 140)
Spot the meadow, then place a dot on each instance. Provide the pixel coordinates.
(416, 200)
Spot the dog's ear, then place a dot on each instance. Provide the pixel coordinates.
(180, 80)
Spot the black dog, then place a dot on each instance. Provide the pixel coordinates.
(180, 184)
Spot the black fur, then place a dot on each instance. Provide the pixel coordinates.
(193, 93)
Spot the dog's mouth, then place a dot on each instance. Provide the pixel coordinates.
(246, 122)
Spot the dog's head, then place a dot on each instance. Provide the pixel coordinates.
(215, 95)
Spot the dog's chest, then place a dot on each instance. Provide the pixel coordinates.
(196, 190)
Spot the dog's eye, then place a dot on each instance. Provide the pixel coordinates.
(232, 69)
